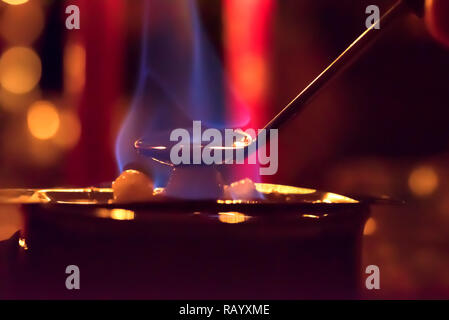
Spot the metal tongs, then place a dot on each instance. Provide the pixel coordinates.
(344, 60)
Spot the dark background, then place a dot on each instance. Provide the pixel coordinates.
(379, 129)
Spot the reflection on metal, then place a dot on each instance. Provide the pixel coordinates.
(23, 244)
(115, 214)
(232, 217)
(313, 216)
(84, 196)
(163, 162)
(19, 196)
(272, 193)
(78, 201)
(237, 201)
(277, 188)
(335, 198)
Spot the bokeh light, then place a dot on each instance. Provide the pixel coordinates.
(74, 67)
(20, 70)
(22, 25)
(423, 181)
(43, 120)
(15, 2)
(251, 76)
(69, 131)
(370, 227)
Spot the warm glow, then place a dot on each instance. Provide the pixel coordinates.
(23, 244)
(122, 214)
(370, 227)
(115, 214)
(69, 131)
(20, 70)
(22, 25)
(246, 31)
(43, 120)
(15, 2)
(232, 217)
(277, 188)
(158, 190)
(74, 67)
(423, 181)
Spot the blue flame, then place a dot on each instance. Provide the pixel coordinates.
(181, 79)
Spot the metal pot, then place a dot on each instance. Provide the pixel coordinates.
(296, 243)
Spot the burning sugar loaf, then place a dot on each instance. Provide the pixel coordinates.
(195, 182)
(242, 190)
(185, 183)
(132, 186)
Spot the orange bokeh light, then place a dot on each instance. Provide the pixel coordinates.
(20, 70)
(43, 120)
(22, 25)
(15, 2)
(423, 181)
(74, 67)
(370, 227)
